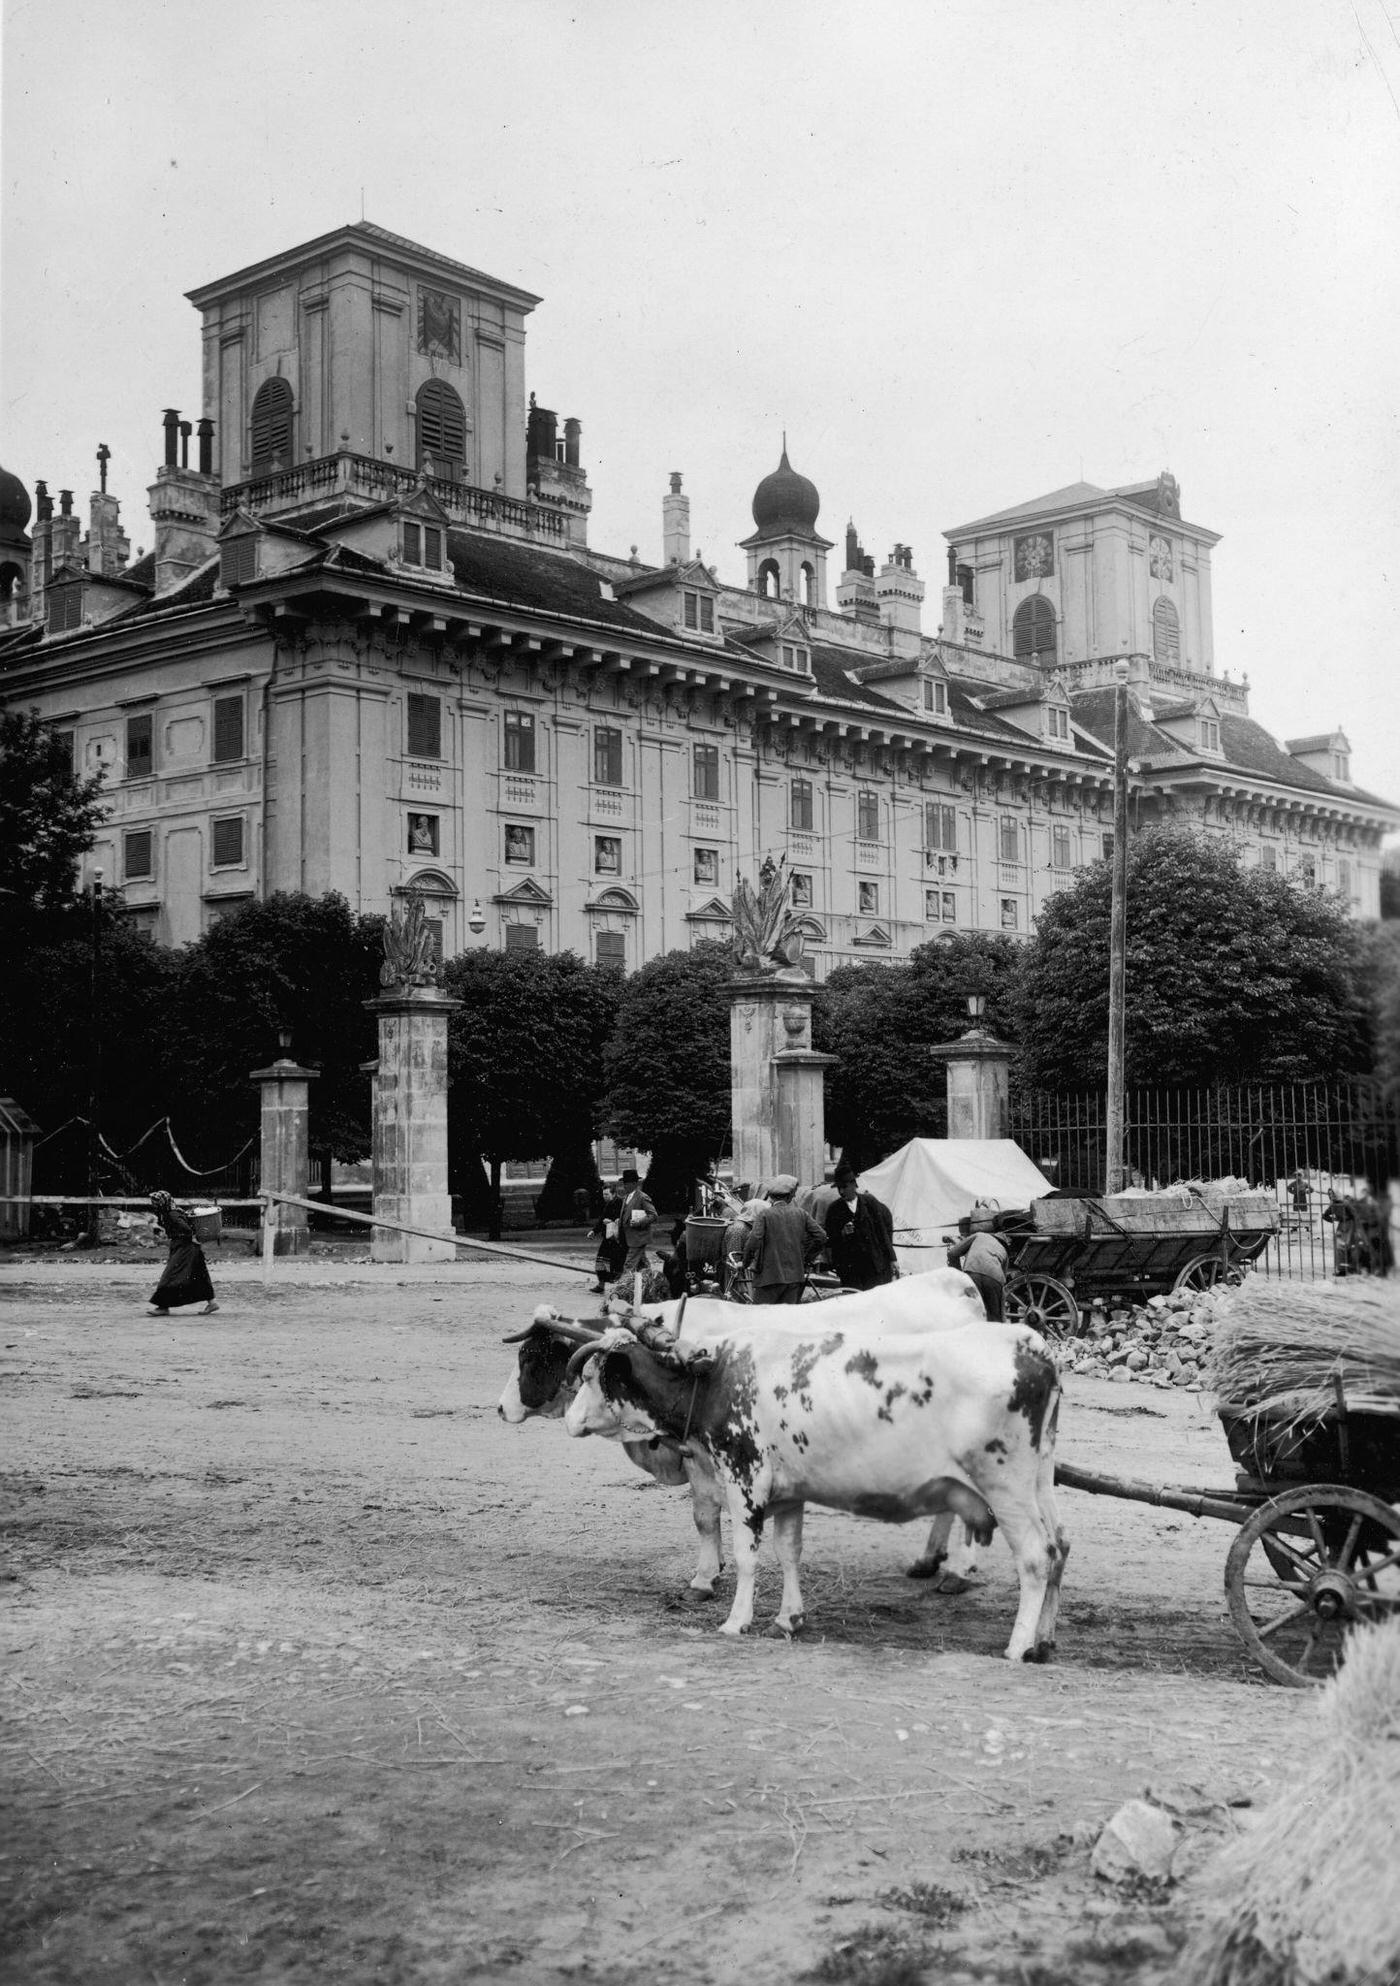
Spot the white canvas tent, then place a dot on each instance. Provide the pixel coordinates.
(930, 1183)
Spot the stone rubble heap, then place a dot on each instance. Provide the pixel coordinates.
(1163, 1342)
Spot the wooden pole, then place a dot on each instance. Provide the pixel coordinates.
(1118, 938)
(432, 1234)
(269, 1237)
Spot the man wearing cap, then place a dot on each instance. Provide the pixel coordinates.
(983, 1257)
(782, 1241)
(635, 1221)
(860, 1231)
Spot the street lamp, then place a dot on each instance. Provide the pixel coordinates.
(476, 922)
(976, 1006)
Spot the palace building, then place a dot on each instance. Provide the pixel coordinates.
(372, 650)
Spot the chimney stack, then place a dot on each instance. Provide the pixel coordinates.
(65, 529)
(572, 430)
(855, 591)
(108, 549)
(675, 524)
(899, 596)
(184, 505)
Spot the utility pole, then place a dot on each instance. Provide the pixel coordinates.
(94, 1058)
(1118, 936)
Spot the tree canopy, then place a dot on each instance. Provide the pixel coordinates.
(667, 1065)
(1233, 975)
(47, 814)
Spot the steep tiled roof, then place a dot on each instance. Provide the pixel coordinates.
(196, 591)
(503, 570)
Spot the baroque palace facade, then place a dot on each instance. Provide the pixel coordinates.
(372, 651)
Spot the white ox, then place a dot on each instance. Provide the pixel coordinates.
(889, 1426)
(935, 1300)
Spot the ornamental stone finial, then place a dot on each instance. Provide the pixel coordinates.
(410, 953)
(768, 939)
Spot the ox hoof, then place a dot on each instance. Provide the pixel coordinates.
(688, 1597)
(953, 1582)
(924, 1568)
(1043, 1651)
(787, 1630)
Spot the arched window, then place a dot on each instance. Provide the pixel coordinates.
(769, 580)
(809, 585)
(442, 430)
(1166, 633)
(272, 427)
(1033, 630)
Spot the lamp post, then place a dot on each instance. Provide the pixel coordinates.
(1118, 936)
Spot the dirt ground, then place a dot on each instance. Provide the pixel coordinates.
(315, 1671)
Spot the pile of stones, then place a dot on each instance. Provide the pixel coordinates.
(1163, 1342)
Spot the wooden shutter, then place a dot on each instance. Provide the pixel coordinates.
(228, 729)
(272, 427)
(522, 938)
(139, 732)
(228, 841)
(442, 427)
(424, 727)
(612, 949)
(136, 855)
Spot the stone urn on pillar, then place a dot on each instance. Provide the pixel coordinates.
(410, 1094)
(978, 1072)
(777, 1081)
(284, 1162)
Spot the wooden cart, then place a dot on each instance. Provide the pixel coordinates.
(1318, 1551)
(1065, 1253)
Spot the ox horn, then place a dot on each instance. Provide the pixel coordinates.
(563, 1327)
(579, 1359)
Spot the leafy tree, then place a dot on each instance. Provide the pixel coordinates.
(292, 962)
(47, 814)
(1383, 975)
(1390, 894)
(1233, 975)
(525, 1058)
(880, 1021)
(667, 1066)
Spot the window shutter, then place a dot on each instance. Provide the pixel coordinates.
(424, 727)
(139, 759)
(228, 729)
(1166, 633)
(228, 841)
(522, 938)
(707, 614)
(1033, 629)
(238, 561)
(272, 427)
(442, 427)
(692, 611)
(65, 606)
(136, 855)
(611, 949)
(412, 544)
(432, 547)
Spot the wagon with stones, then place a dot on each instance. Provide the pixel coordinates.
(1067, 1253)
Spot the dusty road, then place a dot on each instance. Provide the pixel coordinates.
(314, 1671)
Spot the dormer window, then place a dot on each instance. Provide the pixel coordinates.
(796, 658)
(699, 611)
(1210, 734)
(422, 545)
(1057, 723)
(935, 697)
(65, 609)
(238, 560)
(1341, 767)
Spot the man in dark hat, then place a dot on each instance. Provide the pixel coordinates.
(782, 1241)
(638, 1214)
(860, 1231)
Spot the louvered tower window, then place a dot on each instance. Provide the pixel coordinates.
(1033, 630)
(442, 430)
(272, 427)
(1166, 633)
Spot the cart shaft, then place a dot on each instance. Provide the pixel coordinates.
(1232, 1509)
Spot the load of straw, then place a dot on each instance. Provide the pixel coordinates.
(1282, 1346)
(1308, 1897)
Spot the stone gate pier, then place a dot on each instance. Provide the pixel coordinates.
(410, 1095)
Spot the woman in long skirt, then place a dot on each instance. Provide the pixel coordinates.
(186, 1278)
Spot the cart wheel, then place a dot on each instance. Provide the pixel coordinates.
(1306, 1568)
(1044, 1304)
(1207, 1271)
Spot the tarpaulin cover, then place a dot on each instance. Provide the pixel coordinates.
(930, 1183)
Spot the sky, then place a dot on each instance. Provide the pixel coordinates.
(962, 252)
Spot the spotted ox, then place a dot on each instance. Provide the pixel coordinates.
(886, 1426)
(936, 1300)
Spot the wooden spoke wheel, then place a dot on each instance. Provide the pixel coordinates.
(1044, 1304)
(1203, 1272)
(1308, 1567)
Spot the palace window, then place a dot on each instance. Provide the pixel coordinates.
(707, 772)
(238, 560)
(519, 741)
(228, 729)
(424, 726)
(1057, 722)
(769, 580)
(522, 938)
(1010, 843)
(65, 605)
(933, 901)
(442, 430)
(1307, 870)
(138, 856)
(800, 812)
(935, 697)
(1344, 880)
(867, 817)
(950, 907)
(1210, 734)
(796, 658)
(227, 851)
(140, 746)
(272, 427)
(1268, 858)
(1059, 847)
(422, 545)
(607, 755)
(940, 827)
(610, 949)
(1033, 630)
(1341, 767)
(699, 611)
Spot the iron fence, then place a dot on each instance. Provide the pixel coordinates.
(1327, 1151)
